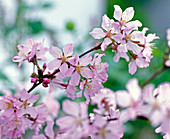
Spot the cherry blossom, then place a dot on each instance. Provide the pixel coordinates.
(60, 56)
(28, 51)
(75, 123)
(104, 129)
(131, 100)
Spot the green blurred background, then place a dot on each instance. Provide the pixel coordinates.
(23, 21)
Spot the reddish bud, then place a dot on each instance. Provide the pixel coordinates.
(44, 66)
(44, 84)
(46, 80)
(33, 80)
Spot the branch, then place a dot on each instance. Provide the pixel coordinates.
(97, 46)
(34, 86)
(153, 76)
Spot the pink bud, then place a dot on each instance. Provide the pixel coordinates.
(44, 84)
(46, 80)
(44, 66)
(33, 80)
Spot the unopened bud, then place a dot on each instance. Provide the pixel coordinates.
(33, 80)
(46, 80)
(44, 66)
(45, 85)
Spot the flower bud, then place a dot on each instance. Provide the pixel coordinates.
(46, 80)
(44, 84)
(44, 66)
(33, 80)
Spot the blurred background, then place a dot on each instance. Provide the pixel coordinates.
(70, 21)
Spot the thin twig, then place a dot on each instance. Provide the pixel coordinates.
(98, 46)
(153, 76)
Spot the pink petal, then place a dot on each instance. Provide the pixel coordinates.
(98, 33)
(106, 23)
(41, 136)
(132, 67)
(49, 129)
(68, 50)
(85, 60)
(123, 99)
(75, 78)
(65, 122)
(55, 52)
(134, 47)
(86, 72)
(140, 62)
(33, 99)
(128, 14)
(105, 43)
(117, 12)
(54, 64)
(167, 63)
(71, 108)
(134, 89)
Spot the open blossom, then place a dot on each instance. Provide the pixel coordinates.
(99, 69)
(137, 61)
(105, 101)
(105, 129)
(111, 31)
(60, 56)
(155, 102)
(28, 51)
(25, 104)
(164, 128)
(75, 124)
(53, 105)
(131, 100)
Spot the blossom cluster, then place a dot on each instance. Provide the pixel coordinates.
(104, 123)
(85, 74)
(125, 39)
(150, 103)
(18, 114)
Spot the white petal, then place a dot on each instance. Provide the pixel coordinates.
(117, 13)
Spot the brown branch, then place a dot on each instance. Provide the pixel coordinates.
(34, 86)
(97, 46)
(153, 76)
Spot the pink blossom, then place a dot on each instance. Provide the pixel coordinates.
(75, 123)
(53, 105)
(28, 51)
(105, 101)
(104, 129)
(41, 118)
(26, 102)
(60, 56)
(164, 128)
(91, 87)
(131, 100)
(99, 69)
(155, 102)
(111, 31)
(7, 104)
(137, 61)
